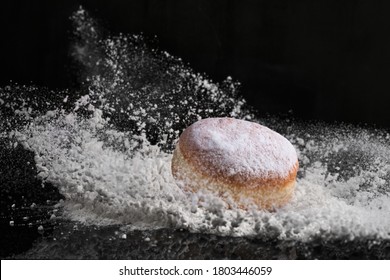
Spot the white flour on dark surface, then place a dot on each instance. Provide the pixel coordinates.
(108, 149)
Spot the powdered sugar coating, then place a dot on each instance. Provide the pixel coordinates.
(236, 147)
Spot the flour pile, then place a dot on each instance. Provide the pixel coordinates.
(108, 146)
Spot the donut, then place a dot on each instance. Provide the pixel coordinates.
(243, 162)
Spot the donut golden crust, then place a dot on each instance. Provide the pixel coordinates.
(238, 159)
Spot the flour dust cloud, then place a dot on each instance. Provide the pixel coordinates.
(107, 147)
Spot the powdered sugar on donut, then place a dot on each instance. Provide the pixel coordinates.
(233, 146)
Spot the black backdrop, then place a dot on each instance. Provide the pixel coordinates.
(323, 59)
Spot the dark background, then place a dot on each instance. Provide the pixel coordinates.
(323, 59)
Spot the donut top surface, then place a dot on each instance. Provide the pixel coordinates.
(237, 149)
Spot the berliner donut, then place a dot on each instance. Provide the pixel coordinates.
(241, 161)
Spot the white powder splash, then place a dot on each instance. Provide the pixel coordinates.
(109, 151)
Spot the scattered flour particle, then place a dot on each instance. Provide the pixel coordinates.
(80, 189)
(50, 114)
